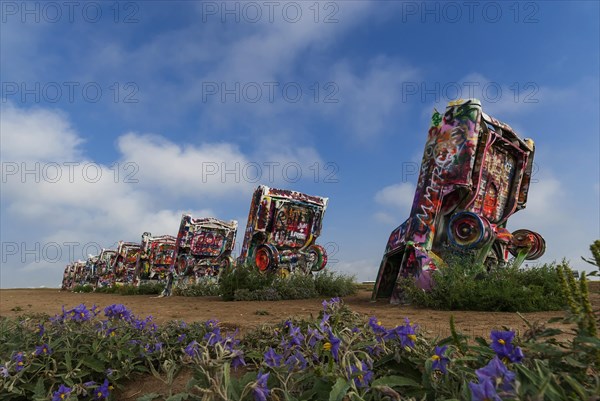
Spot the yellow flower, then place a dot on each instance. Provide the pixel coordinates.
(501, 341)
(435, 357)
(412, 337)
(327, 346)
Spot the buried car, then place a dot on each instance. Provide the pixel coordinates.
(203, 248)
(156, 256)
(281, 232)
(102, 273)
(74, 275)
(475, 173)
(125, 263)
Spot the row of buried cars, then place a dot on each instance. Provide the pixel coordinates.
(475, 174)
(280, 238)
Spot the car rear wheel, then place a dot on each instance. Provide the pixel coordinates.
(266, 258)
(317, 258)
(527, 238)
(467, 230)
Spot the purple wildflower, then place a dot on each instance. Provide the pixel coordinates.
(361, 374)
(213, 337)
(484, 391)
(296, 336)
(181, 338)
(79, 313)
(497, 373)
(313, 337)
(405, 333)
(4, 371)
(502, 342)
(111, 332)
(62, 393)
(192, 349)
(503, 346)
(332, 345)
(18, 359)
(211, 323)
(238, 359)
(331, 303)
(102, 392)
(43, 349)
(40, 330)
(375, 351)
(260, 389)
(439, 360)
(296, 360)
(376, 326)
(324, 322)
(272, 359)
(118, 312)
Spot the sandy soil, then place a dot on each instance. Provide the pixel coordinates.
(245, 315)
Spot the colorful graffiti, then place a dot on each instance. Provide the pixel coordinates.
(281, 232)
(203, 248)
(475, 173)
(156, 257)
(125, 264)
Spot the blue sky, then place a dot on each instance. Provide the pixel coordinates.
(169, 95)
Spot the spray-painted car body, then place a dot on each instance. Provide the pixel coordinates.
(281, 231)
(203, 248)
(74, 274)
(68, 277)
(90, 269)
(475, 173)
(125, 264)
(156, 257)
(103, 274)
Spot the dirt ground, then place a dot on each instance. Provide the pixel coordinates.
(245, 315)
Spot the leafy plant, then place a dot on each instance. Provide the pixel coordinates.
(248, 284)
(463, 285)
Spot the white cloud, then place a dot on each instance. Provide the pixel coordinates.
(37, 134)
(183, 170)
(399, 196)
(363, 270)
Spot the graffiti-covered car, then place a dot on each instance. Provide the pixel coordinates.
(73, 275)
(156, 257)
(90, 269)
(103, 274)
(475, 173)
(203, 248)
(281, 232)
(68, 279)
(125, 264)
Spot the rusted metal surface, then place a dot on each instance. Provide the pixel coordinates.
(475, 173)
